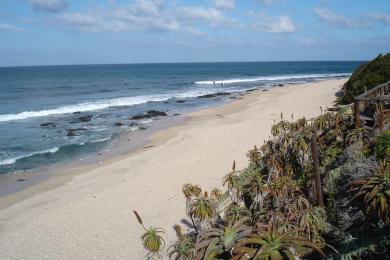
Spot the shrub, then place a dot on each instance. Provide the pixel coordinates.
(382, 146)
(367, 76)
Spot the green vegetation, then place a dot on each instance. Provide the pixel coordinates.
(269, 209)
(151, 238)
(382, 145)
(367, 76)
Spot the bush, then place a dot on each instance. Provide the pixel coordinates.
(366, 76)
(382, 145)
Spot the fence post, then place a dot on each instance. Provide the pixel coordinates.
(356, 108)
(316, 166)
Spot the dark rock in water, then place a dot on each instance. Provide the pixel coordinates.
(85, 118)
(118, 124)
(76, 129)
(251, 90)
(132, 124)
(149, 114)
(215, 95)
(155, 113)
(280, 85)
(82, 119)
(176, 114)
(18, 180)
(166, 102)
(73, 131)
(76, 113)
(142, 128)
(264, 90)
(234, 97)
(48, 125)
(137, 117)
(180, 101)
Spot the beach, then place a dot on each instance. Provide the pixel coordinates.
(87, 214)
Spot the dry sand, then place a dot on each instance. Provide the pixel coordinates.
(90, 215)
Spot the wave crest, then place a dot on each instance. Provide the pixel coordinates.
(272, 78)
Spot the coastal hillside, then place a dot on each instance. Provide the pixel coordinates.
(367, 76)
(318, 188)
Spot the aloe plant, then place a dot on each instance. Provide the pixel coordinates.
(151, 238)
(375, 192)
(203, 207)
(216, 241)
(271, 244)
(359, 134)
(234, 213)
(232, 181)
(182, 249)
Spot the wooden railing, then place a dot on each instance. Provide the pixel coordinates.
(377, 94)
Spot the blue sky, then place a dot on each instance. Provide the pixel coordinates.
(44, 32)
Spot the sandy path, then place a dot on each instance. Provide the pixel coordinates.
(90, 216)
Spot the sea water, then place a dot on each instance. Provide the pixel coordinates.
(50, 114)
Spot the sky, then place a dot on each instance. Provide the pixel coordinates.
(53, 32)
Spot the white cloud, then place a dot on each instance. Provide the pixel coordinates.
(224, 4)
(210, 16)
(145, 15)
(273, 24)
(331, 18)
(52, 6)
(9, 27)
(379, 17)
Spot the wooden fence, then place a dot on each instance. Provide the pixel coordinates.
(378, 94)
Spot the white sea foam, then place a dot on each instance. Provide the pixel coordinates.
(146, 121)
(103, 104)
(136, 100)
(101, 140)
(134, 128)
(9, 161)
(272, 78)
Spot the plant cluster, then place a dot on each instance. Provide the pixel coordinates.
(269, 209)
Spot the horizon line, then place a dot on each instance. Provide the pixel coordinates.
(184, 62)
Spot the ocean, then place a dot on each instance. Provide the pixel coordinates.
(55, 114)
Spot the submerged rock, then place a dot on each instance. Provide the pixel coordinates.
(118, 124)
(85, 118)
(73, 131)
(149, 114)
(82, 119)
(48, 125)
(215, 95)
(180, 101)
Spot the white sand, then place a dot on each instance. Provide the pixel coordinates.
(90, 216)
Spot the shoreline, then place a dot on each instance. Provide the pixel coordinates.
(97, 203)
(50, 177)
